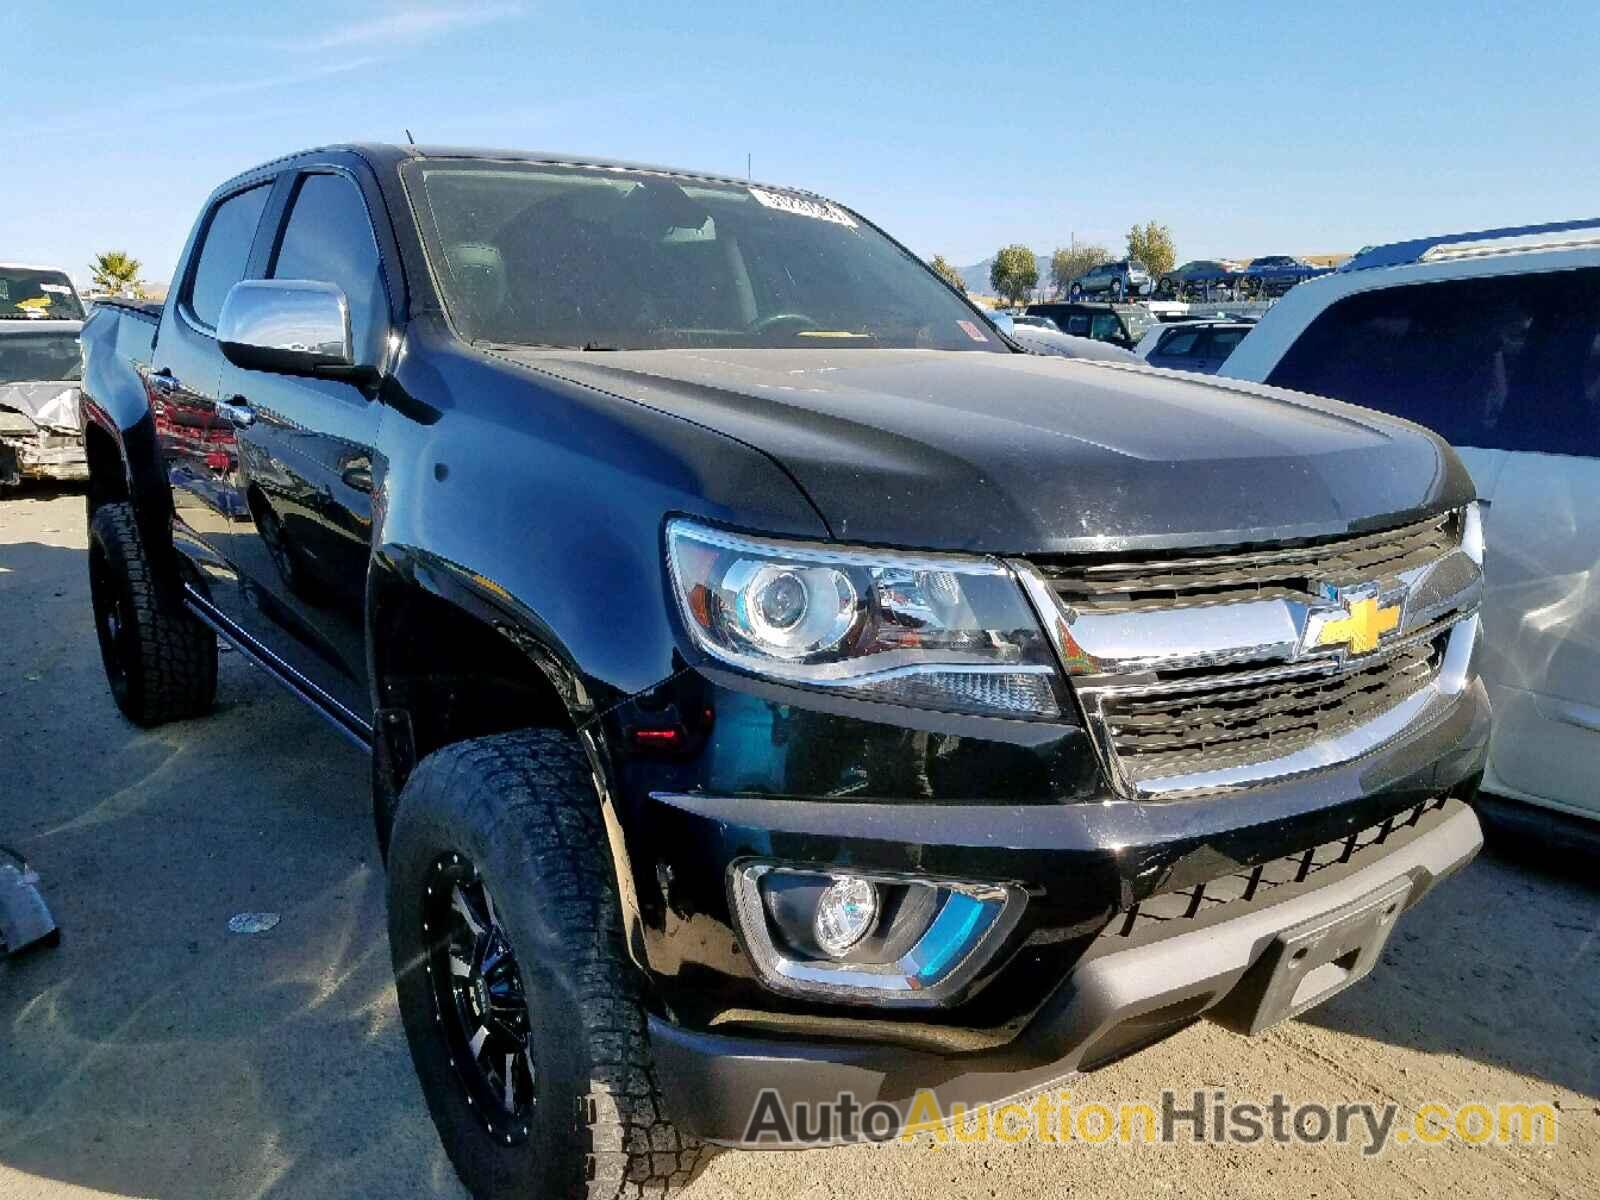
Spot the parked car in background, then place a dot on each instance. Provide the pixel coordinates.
(1200, 346)
(1035, 322)
(1040, 335)
(1491, 339)
(1120, 324)
(1115, 280)
(1066, 345)
(1275, 274)
(40, 316)
(773, 679)
(1205, 278)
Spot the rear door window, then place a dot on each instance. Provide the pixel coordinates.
(1509, 363)
(1179, 344)
(1222, 341)
(1105, 325)
(225, 252)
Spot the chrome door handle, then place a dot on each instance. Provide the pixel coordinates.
(162, 382)
(237, 411)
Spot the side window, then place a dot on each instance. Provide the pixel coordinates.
(1105, 325)
(1505, 363)
(225, 251)
(329, 239)
(1223, 341)
(1078, 323)
(1180, 342)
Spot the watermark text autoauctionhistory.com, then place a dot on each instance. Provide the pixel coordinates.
(1212, 1116)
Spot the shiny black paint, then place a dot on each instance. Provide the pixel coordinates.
(527, 492)
(1080, 858)
(919, 451)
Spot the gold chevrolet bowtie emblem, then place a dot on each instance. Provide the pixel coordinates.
(1368, 621)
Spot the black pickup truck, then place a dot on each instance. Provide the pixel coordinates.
(774, 678)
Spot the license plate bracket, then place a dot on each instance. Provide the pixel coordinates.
(1315, 960)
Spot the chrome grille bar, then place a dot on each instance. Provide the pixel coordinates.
(1203, 673)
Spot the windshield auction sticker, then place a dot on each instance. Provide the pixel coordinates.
(802, 206)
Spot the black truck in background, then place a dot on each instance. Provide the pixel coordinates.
(774, 678)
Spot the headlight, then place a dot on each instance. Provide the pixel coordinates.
(945, 633)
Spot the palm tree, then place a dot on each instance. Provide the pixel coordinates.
(115, 271)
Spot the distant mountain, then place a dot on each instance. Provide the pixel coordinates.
(976, 277)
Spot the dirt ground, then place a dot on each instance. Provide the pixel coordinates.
(154, 1054)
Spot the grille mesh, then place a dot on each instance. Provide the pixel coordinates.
(1229, 723)
(1256, 884)
(1234, 576)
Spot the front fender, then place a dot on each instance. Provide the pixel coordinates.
(541, 504)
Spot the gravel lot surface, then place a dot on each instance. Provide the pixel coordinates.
(155, 1054)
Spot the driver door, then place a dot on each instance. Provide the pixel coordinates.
(307, 456)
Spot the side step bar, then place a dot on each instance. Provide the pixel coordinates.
(335, 713)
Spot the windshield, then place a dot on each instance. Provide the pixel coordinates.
(599, 259)
(28, 294)
(38, 357)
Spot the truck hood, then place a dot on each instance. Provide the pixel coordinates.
(52, 405)
(1027, 454)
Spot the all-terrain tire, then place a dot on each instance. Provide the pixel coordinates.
(160, 661)
(521, 809)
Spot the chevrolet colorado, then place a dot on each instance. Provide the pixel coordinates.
(777, 683)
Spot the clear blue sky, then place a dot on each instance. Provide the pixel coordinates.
(1249, 129)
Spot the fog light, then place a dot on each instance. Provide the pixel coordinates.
(845, 914)
(867, 938)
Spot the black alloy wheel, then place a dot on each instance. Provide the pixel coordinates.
(479, 998)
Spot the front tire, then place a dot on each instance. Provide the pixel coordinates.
(160, 661)
(503, 916)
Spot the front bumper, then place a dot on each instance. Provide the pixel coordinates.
(786, 778)
(1113, 1002)
(42, 454)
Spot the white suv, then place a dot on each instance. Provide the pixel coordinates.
(1492, 340)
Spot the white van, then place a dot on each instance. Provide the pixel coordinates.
(1492, 340)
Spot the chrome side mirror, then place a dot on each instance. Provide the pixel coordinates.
(289, 326)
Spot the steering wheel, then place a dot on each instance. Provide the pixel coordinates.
(767, 324)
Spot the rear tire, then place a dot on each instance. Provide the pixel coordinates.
(160, 661)
(511, 824)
